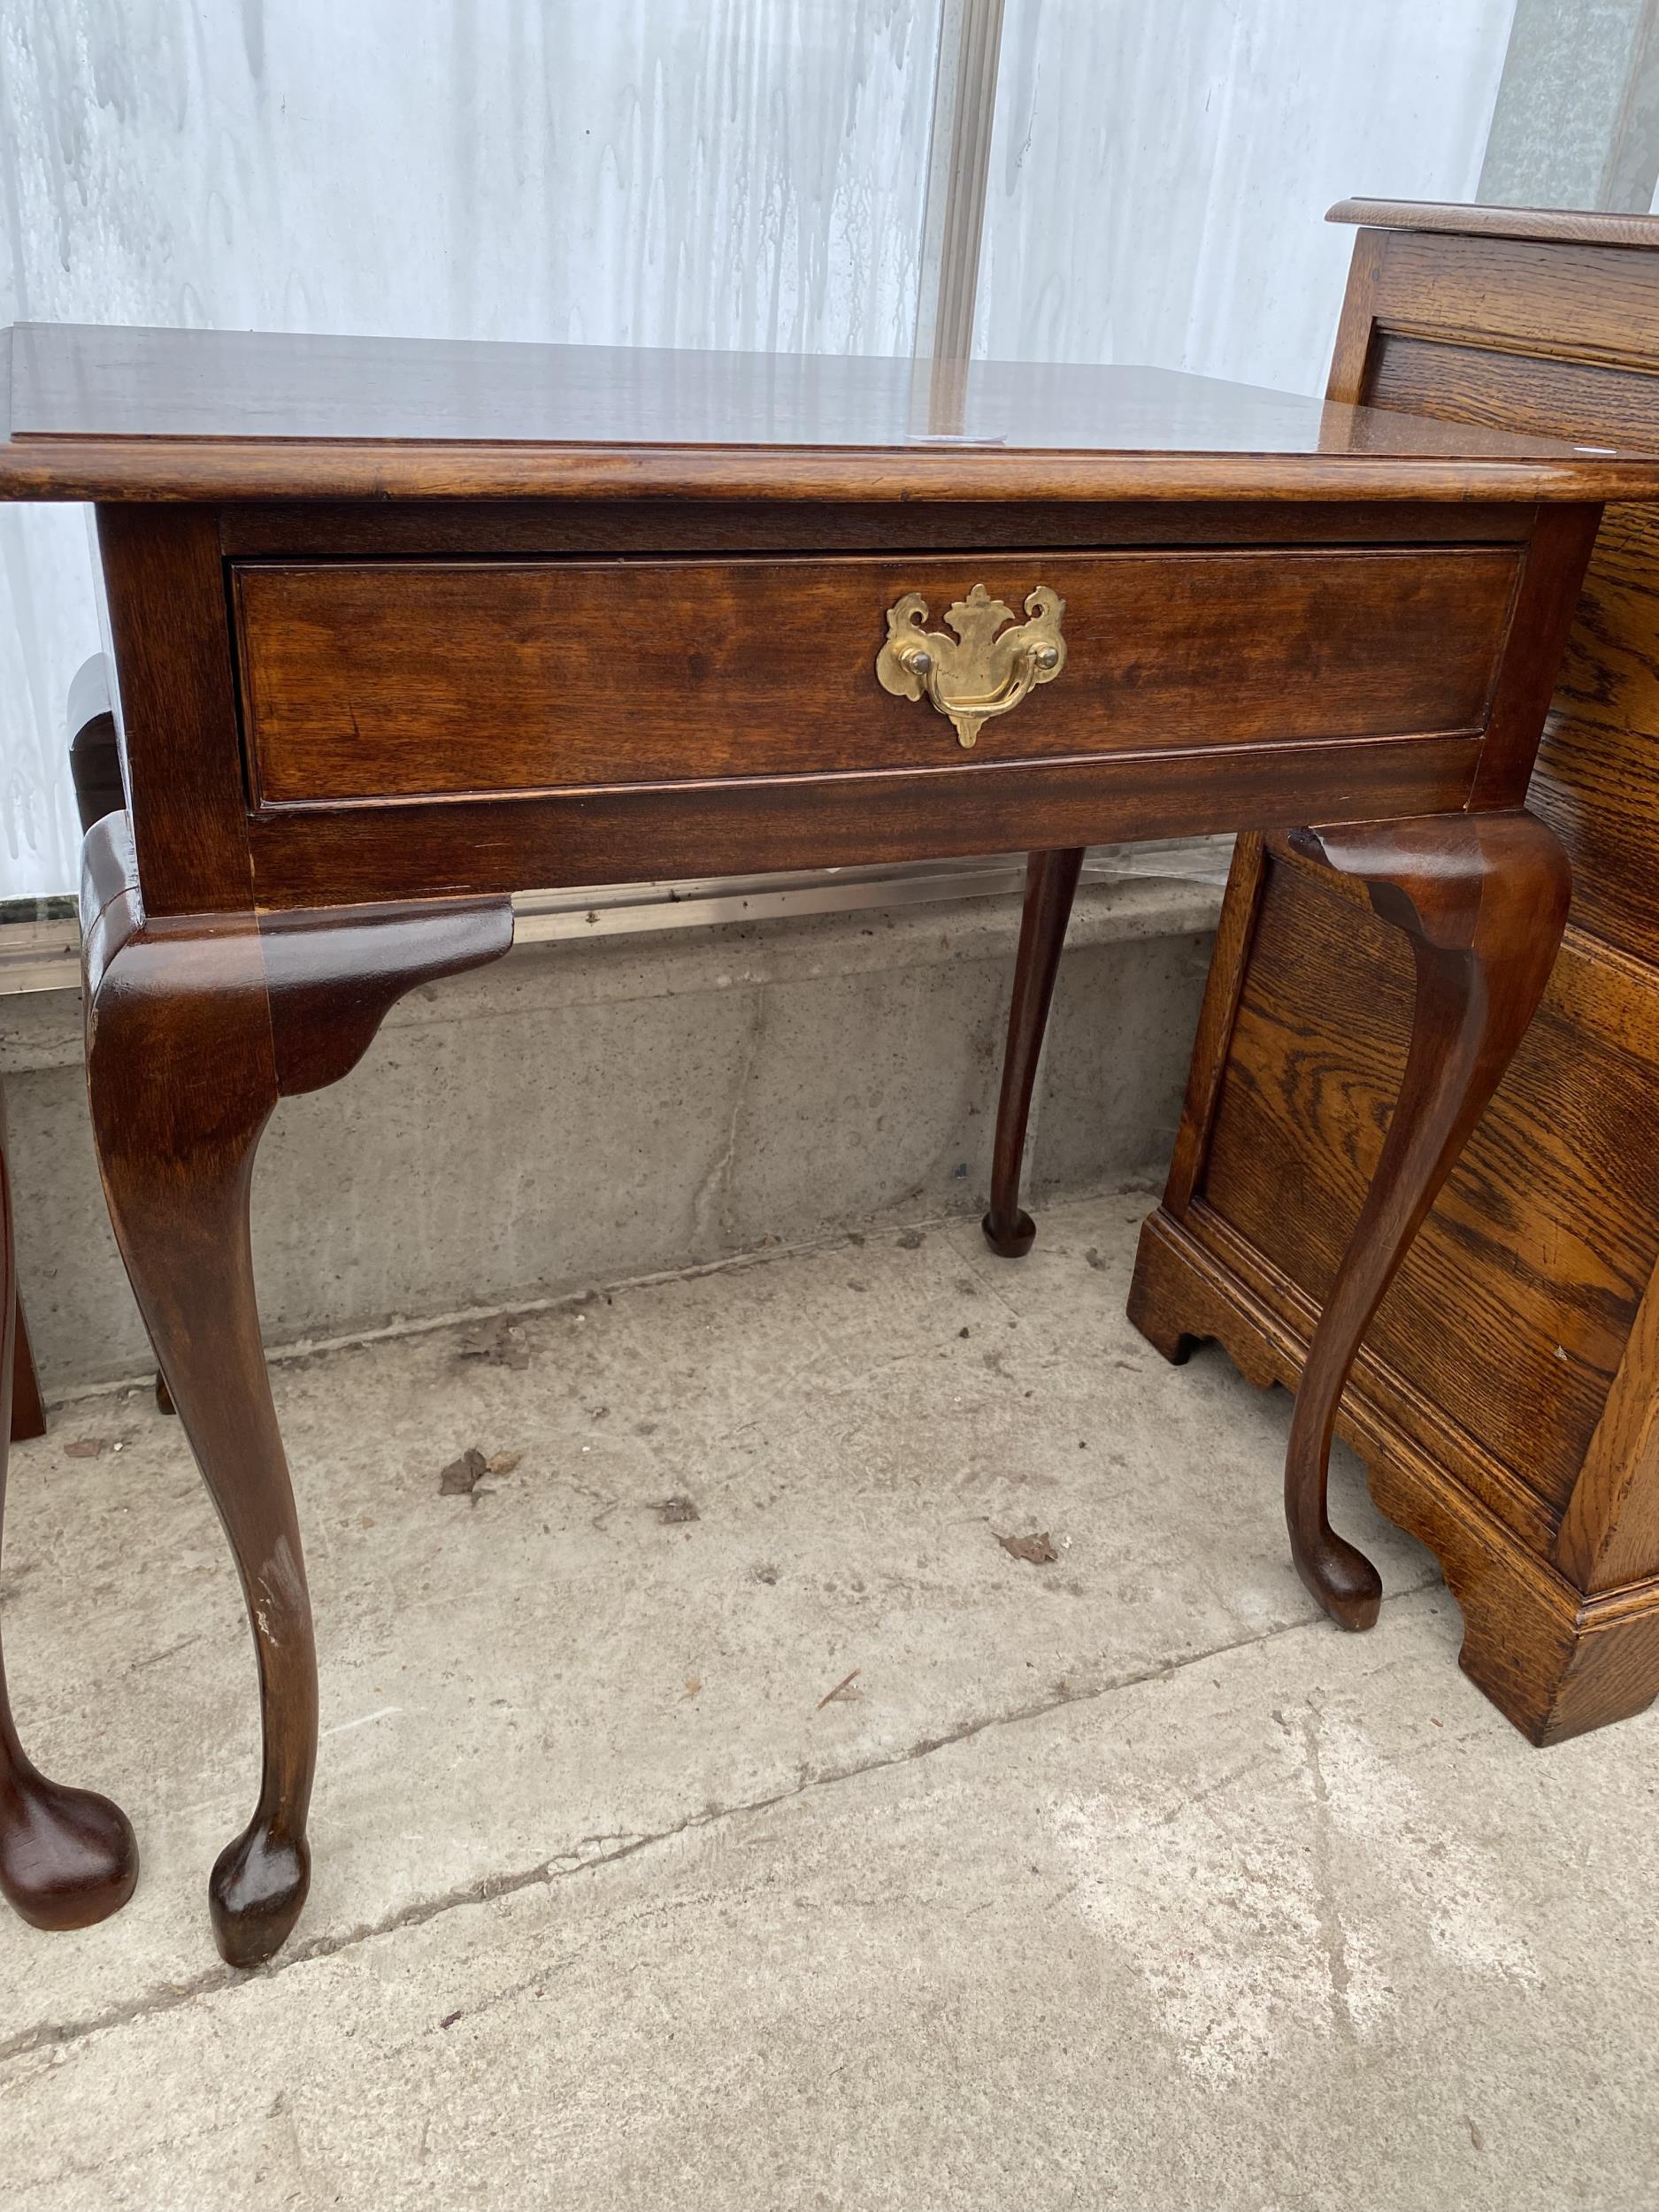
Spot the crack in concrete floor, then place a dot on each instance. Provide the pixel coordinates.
(302, 1352)
(564, 1864)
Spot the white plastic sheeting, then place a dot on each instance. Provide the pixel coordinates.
(1161, 168)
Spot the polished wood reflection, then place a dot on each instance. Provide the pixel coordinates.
(98, 412)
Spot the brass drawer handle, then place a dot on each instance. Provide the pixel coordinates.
(985, 669)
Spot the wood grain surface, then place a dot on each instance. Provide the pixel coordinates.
(1528, 1254)
(1504, 1398)
(1553, 224)
(196, 1026)
(107, 413)
(431, 848)
(1050, 885)
(1482, 901)
(576, 674)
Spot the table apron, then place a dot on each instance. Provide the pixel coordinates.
(347, 727)
(325, 856)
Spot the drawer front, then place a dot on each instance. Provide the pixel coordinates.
(366, 680)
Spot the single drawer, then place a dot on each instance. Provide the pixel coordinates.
(384, 678)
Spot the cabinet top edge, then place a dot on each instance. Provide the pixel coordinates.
(109, 413)
(1543, 225)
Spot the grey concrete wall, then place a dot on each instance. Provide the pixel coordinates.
(583, 1114)
(1576, 123)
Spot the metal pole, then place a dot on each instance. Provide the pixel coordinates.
(964, 114)
(1577, 119)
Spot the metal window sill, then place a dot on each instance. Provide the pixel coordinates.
(40, 943)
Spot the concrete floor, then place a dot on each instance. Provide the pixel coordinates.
(817, 1852)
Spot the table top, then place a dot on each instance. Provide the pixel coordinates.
(108, 412)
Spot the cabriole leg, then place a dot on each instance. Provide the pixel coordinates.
(1483, 898)
(181, 1074)
(1051, 886)
(195, 1028)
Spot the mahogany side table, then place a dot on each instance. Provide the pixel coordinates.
(400, 627)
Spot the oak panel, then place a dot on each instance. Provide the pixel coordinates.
(1566, 303)
(1511, 1309)
(1492, 384)
(1597, 779)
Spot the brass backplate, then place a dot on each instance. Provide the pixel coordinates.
(987, 667)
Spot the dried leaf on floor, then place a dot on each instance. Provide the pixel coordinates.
(843, 1689)
(1038, 1549)
(681, 1509)
(500, 1344)
(460, 1478)
(694, 1683)
(502, 1463)
(85, 1448)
